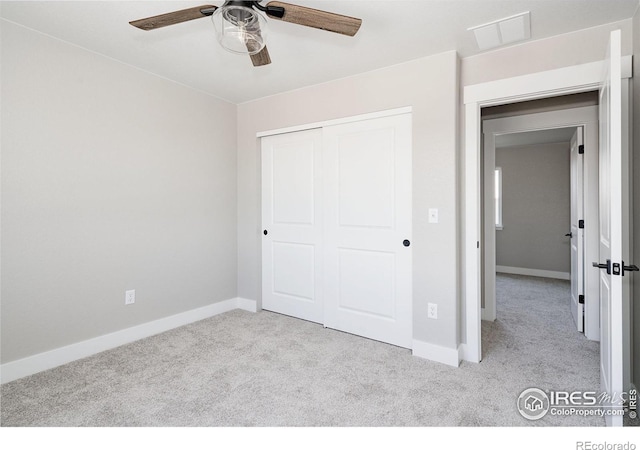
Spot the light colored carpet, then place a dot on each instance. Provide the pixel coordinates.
(265, 369)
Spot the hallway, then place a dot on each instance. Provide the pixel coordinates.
(535, 332)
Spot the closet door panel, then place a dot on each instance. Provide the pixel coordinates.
(367, 218)
(291, 212)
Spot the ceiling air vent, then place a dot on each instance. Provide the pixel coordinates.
(504, 31)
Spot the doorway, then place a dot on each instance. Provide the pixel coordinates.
(611, 78)
(542, 220)
(565, 81)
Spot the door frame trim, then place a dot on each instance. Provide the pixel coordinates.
(568, 80)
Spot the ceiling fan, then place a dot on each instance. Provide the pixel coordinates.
(242, 29)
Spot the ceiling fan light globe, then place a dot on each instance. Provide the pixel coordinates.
(240, 30)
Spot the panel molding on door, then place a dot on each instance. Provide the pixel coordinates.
(291, 216)
(367, 218)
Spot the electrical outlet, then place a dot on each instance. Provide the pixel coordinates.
(130, 297)
(432, 311)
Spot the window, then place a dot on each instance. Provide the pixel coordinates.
(498, 197)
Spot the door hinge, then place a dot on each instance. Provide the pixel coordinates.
(581, 299)
(580, 223)
(580, 149)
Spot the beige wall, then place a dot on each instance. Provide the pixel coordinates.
(536, 203)
(430, 86)
(112, 179)
(636, 203)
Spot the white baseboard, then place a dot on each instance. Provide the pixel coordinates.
(534, 272)
(48, 360)
(487, 315)
(246, 304)
(465, 354)
(432, 352)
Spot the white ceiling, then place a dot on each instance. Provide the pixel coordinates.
(393, 31)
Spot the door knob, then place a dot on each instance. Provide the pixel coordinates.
(631, 268)
(604, 266)
(265, 232)
(406, 243)
(569, 234)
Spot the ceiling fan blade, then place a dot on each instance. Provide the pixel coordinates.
(172, 18)
(261, 58)
(317, 19)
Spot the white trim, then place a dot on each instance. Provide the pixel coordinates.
(463, 353)
(584, 77)
(561, 118)
(340, 121)
(487, 315)
(246, 304)
(568, 80)
(48, 360)
(472, 229)
(534, 272)
(432, 352)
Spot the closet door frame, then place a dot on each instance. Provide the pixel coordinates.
(328, 123)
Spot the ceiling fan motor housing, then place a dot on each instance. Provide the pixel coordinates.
(274, 11)
(240, 28)
(240, 3)
(241, 15)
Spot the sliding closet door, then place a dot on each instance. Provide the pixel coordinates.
(291, 216)
(367, 228)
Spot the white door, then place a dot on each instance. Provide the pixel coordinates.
(577, 232)
(367, 229)
(292, 221)
(611, 235)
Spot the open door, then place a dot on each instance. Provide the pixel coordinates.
(577, 229)
(611, 265)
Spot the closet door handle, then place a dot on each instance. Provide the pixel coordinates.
(406, 243)
(265, 232)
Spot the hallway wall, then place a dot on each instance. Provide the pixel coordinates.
(536, 205)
